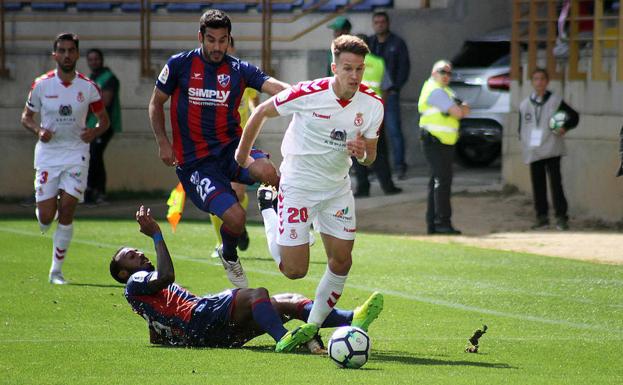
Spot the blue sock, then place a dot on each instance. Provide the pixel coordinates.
(265, 315)
(230, 242)
(337, 317)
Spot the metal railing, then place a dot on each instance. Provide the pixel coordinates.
(535, 25)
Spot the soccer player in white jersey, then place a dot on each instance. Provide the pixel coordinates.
(62, 97)
(333, 119)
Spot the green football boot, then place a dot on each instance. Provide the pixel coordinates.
(366, 313)
(296, 337)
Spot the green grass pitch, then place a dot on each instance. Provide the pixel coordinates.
(551, 321)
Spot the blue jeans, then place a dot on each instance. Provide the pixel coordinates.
(392, 127)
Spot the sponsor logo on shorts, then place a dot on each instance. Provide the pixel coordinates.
(350, 230)
(51, 96)
(342, 215)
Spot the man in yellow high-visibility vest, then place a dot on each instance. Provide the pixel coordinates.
(440, 113)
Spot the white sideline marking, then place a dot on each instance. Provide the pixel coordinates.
(431, 301)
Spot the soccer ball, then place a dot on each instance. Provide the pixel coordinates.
(557, 121)
(349, 347)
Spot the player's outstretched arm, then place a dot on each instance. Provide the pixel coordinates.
(156, 118)
(149, 227)
(252, 129)
(273, 86)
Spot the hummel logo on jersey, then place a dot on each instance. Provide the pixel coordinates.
(201, 95)
(315, 115)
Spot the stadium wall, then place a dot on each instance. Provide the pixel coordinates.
(592, 148)
(131, 158)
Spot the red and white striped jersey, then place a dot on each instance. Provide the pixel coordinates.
(63, 108)
(314, 146)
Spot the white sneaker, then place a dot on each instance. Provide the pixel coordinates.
(56, 278)
(234, 271)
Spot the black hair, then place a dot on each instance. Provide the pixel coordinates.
(214, 18)
(97, 51)
(540, 70)
(115, 267)
(381, 13)
(66, 36)
(231, 41)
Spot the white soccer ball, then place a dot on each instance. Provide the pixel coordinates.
(349, 347)
(557, 121)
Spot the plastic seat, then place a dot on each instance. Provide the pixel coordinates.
(284, 7)
(369, 5)
(13, 6)
(186, 7)
(48, 6)
(331, 6)
(94, 6)
(231, 7)
(136, 7)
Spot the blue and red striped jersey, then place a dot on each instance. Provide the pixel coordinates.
(174, 313)
(204, 102)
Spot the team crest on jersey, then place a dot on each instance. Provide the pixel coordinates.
(339, 135)
(359, 119)
(64, 110)
(223, 80)
(293, 234)
(80, 97)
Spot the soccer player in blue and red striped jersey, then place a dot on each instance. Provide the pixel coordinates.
(227, 319)
(205, 86)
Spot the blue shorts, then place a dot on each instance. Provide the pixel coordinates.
(207, 181)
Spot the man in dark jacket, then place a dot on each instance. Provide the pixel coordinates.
(394, 51)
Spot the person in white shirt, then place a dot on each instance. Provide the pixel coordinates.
(62, 97)
(333, 119)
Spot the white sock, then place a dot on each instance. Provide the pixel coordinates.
(271, 224)
(328, 292)
(62, 238)
(42, 227)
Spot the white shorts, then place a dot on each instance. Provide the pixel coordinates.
(71, 179)
(331, 212)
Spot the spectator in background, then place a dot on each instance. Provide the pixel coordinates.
(375, 77)
(62, 97)
(394, 51)
(440, 112)
(109, 85)
(620, 171)
(340, 26)
(542, 147)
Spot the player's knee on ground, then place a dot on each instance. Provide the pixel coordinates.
(294, 271)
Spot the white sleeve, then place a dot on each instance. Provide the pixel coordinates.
(94, 93)
(34, 98)
(372, 130)
(290, 100)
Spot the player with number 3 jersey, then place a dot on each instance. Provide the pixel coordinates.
(333, 119)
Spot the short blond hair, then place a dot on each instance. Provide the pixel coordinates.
(348, 43)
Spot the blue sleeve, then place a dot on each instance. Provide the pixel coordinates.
(253, 76)
(438, 98)
(167, 80)
(137, 283)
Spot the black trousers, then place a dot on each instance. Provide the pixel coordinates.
(551, 167)
(439, 157)
(96, 183)
(380, 166)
